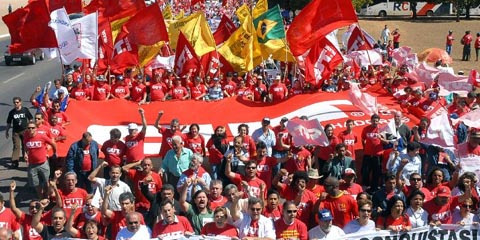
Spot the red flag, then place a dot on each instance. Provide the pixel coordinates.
(357, 41)
(72, 6)
(185, 57)
(194, 2)
(125, 52)
(29, 28)
(316, 20)
(321, 61)
(307, 132)
(147, 27)
(116, 9)
(93, 6)
(225, 66)
(211, 63)
(364, 101)
(225, 28)
(105, 44)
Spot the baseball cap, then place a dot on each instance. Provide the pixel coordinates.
(266, 120)
(119, 77)
(61, 91)
(216, 79)
(259, 77)
(284, 119)
(325, 215)
(132, 126)
(101, 78)
(443, 191)
(349, 171)
(278, 77)
(313, 173)
(475, 133)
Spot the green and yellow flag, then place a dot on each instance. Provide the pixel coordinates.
(241, 50)
(270, 31)
(196, 30)
(260, 8)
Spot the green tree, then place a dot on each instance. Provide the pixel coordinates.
(297, 4)
(357, 4)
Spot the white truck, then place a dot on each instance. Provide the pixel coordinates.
(383, 8)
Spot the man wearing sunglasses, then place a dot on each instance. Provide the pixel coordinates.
(17, 119)
(289, 227)
(251, 224)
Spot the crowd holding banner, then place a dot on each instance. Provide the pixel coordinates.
(195, 137)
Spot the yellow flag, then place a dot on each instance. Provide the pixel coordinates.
(242, 50)
(116, 26)
(167, 13)
(180, 15)
(283, 55)
(260, 8)
(242, 13)
(147, 53)
(196, 30)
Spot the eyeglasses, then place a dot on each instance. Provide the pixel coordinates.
(16, 102)
(38, 118)
(415, 179)
(132, 223)
(256, 209)
(366, 210)
(251, 167)
(467, 206)
(88, 205)
(33, 207)
(30, 127)
(291, 211)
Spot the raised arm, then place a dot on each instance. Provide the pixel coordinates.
(144, 120)
(36, 224)
(235, 208)
(131, 165)
(53, 185)
(69, 227)
(93, 175)
(228, 167)
(183, 195)
(105, 211)
(13, 206)
(157, 121)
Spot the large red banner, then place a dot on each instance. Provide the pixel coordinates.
(100, 117)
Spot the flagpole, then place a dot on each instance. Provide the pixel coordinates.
(363, 38)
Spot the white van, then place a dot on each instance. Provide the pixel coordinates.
(383, 8)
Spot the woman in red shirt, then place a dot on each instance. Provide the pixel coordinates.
(220, 227)
(396, 220)
(194, 141)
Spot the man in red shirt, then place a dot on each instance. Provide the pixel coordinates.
(449, 42)
(396, 38)
(467, 45)
(254, 183)
(157, 88)
(278, 91)
(477, 46)
(114, 150)
(101, 90)
(283, 140)
(167, 133)
(259, 90)
(289, 226)
(120, 89)
(36, 156)
(56, 111)
(139, 90)
(342, 206)
(8, 220)
(440, 208)
(71, 194)
(171, 226)
(349, 138)
(372, 142)
(229, 87)
(265, 164)
(117, 219)
(470, 148)
(140, 177)
(135, 140)
(198, 90)
(178, 92)
(215, 196)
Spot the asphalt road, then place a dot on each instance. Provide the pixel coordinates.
(18, 80)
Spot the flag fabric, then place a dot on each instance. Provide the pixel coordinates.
(86, 30)
(71, 6)
(405, 55)
(470, 119)
(440, 131)
(423, 73)
(195, 2)
(68, 44)
(283, 54)
(225, 29)
(316, 20)
(93, 6)
(185, 57)
(241, 50)
(116, 26)
(147, 27)
(364, 101)
(367, 57)
(307, 132)
(163, 62)
(260, 8)
(29, 28)
(454, 83)
(242, 12)
(180, 15)
(167, 13)
(64, 104)
(357, 41)
(147, 52)
(368, 38)
(196, 30)
(270, 31)
(322, 60)
(105, 45)
(116, 9)
(125, 53)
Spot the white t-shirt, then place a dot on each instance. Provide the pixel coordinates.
(317, 233)
(113, 202)
(418, 218)
(143, 233)
(355, 227)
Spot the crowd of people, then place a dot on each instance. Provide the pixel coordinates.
(258, 185)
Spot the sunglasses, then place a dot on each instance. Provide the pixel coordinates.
(88, 205)
(132, 223)
(291, 211)
(467, 206)
(366, 210)
(415, 179)
(16, 102)
(251, 167)
(256, 209)
(30, 127)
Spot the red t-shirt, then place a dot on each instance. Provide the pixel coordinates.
(79, 94)
(178, 93)
(467, 39)
(297, 230)
(44, 129)
(8, 219)
(36, 147)
(249, 146)
(264, 169)
(118, 222)
(281, 135)
(441, 213)
(317, 190)
(211, 229)
(400, 222)
(450, 39)
(167, 136)
(257, 92)
(278, 91)
(214, 203)
(87, 159)
(157, 91)
(78, 196)
(353, 189)
(230, 88)
(343, 208)
(177, 228)
(373, 144)
(57, 131)
(324, 153)
(134, 147)
(273, 214)
(29, 233)
(197, 145)
(61, 116)
(120, 91)
(305, 207)
(477, 42)
(82, 219)
(349, 139)
(100, 92)
(114, 152)
(197, 91)
(254, 184)
(138, 178)
(298, 161)
(138, 90)
(214, 155)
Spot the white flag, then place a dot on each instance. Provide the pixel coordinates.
(86, 29)
(66, 39)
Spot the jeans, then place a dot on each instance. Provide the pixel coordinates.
(448, 49)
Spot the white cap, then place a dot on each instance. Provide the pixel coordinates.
(132, 126)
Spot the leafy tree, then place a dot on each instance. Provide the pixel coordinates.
(297, 4)
(357, 4)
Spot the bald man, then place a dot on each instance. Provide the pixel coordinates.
(135, 230)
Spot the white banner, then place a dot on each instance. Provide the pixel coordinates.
(86, 29)
(66, 38)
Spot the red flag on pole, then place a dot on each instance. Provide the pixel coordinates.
(105, 44)
(357, 41)
(125, 52)
(225, 28)
(307, 132)
(321, 61)
(93, 6)
(116, 9)
(185, 57)
(316, 20)
(29, 28)
(71, 6)
(147, 27)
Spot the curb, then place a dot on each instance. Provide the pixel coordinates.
(4, 36)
